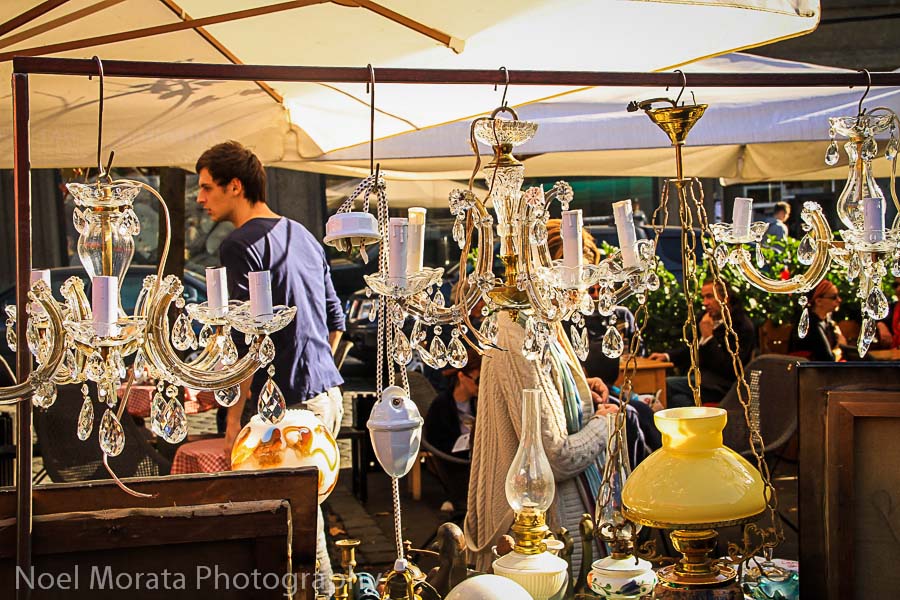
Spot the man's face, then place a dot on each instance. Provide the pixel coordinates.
(218, 201)
(710, 303)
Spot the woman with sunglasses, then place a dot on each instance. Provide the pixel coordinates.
(823, 339)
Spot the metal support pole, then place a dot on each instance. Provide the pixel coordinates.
(22, 188)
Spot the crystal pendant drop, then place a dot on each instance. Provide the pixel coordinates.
(539, 233)
(227, 396)
(806, 251)
(139, 366)
(456, 353)
(44, 394)
(396, 314)
(606, 304)
(869, 330)
(803, 325)
(229, 352)
(895, 266)
(489, 328)
(760, 259)
(459, 233)
(426, 357)
(205, 334)
(78, 220)
(531, 346)
(175, 429)
(373, 312)
(267, 351)
(403, 353)
(578, 336)
(69, 364)
(182, 334)
(438, 299)
(586, 305)
(117, 365)
(832, 154)
(721, 256)
(854, 267)
(95, 367)
(893, 146)
(112, 436)
(870, 148)
(11, 337)
(438, 351)
(158, 414)
(652, 282)
(877, 304)
(85, 419)
(613, 344)
(271, 406)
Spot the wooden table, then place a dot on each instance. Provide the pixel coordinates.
(889, 354)
(649, 376)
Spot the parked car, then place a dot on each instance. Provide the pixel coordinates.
(194, 291)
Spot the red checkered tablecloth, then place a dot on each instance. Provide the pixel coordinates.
(142, 395)
(204, 456)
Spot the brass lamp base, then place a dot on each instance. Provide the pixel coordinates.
(509, 296)
(529, 530)
(696, 576)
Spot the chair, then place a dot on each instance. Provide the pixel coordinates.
(422, 393)
(67, 459)
(340, 353)
(773, 395)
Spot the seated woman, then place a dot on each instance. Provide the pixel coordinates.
(823, 339)
(450, 426)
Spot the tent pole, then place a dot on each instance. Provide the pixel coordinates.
(121, 68)
(22, 189)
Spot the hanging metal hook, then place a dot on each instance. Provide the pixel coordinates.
(370, 89)
(505, 85)
(683, 85)
(860, 110)
(99, 62)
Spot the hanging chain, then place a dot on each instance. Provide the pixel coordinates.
(689, 282)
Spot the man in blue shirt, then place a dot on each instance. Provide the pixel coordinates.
(233, 188)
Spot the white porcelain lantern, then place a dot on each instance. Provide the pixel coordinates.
(395, 427)
(345, 230)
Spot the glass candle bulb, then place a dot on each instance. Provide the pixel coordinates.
(529, 482)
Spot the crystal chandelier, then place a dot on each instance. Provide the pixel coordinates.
(77, 341)
(866, 248)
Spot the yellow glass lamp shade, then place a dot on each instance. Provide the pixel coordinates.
(693, 481)
(298, 440)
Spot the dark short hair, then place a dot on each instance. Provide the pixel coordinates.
(724, 288)
(783, 206)
(231, 160)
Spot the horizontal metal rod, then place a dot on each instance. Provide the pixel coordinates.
(181, 70)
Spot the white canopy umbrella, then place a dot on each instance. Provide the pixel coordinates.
(746, 134)
(169, 122)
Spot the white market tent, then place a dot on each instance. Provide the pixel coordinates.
(746, 134)
(163, 121)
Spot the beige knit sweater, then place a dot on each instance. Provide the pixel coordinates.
(504, 374)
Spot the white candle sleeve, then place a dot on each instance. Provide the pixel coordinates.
(260, 295)
(873, 219)
(105, 304)
(573, 246)
(741, 215)
(416, 248)
(624, 217)
(216, 290)
(39, 275)
(398, 240)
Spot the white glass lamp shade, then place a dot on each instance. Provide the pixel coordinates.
(488, 587)
(529, 482)
(395, 428)
(300, 439)
(357, 228)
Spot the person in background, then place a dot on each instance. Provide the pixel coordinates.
(233, 188)
(778, 224)
(823, 339)
(893, 319)
(450, 427)
(716, 367)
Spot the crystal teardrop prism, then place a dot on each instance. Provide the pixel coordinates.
(867, 334)
(806, 251)
(490, 328)
(69, 364)
(613, 344)
(652, 282)
(158, 414)
(606, 304)
(85, 420)
(267, 351)
(721, 256)
(578, 336)
(426, 357)
(95, 367)
(44, 394)
(229, 352)
(531, 346)
(456, 353)
(853, 267)
(396, 314)
(586, 304)
(182, 333)
(117, 365)
(205, 334)
(438, 351)
(832, 154)
(439, 299)
(869, 148)
(459, 233)
(803, 325)
(175, 428)
(227, 396)
(403, 353)
(139, 366)
(893, 147)
(11, 340)
(895, 266)
(112, 436)
(760, 259)
(271, 405)
(877, 304)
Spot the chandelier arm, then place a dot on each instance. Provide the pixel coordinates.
(162, 356)
(822, 238)
(893, 187)
(79, 309)
(525, 258)
(164, 255)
